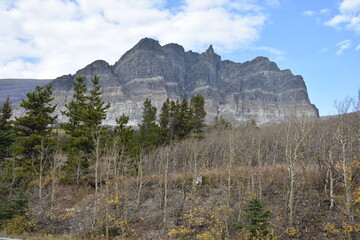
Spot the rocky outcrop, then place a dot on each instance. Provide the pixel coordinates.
(239, 92)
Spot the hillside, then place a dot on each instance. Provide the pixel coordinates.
(305, 171)
(17, 89)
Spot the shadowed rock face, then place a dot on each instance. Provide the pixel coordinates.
(239, 92)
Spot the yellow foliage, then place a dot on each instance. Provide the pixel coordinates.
(292, 232)
(123, 225)
(341, 232)
(19, 224)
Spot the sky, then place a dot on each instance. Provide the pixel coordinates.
(318, 39)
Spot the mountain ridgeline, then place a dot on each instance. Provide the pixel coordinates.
(254, 90)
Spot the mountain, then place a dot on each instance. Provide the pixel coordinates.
(254, 90)
(17, 89)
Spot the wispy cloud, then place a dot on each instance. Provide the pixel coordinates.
(324, 11)
(309, 13)
(70, 34)
(278, 54)
(314, 13)
(323, 50)
(273, 3)
(357, 48)
(343, 45)
(348, 16)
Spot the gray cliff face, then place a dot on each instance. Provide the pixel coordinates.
(239, 92)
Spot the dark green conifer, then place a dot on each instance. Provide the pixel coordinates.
(164, 121)
(85, 114)
(198, 115)
(6, 133)
(257, 218)
(149, 130)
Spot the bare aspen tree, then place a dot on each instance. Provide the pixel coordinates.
(59, 160)
(328, 146)
(197, 178)
(296, 133)
(96, 139)
(43, 156)
(341, 133)
(231, 158)
(166, 176)
(140, 181)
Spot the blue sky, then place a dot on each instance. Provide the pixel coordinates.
(316, 39)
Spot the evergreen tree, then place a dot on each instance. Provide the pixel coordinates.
(76, 108)
(149, 130)
(164, 121)
(183, 120)
(95, 108)
(6, 133)
(78, 142)
(174, 120)
(198, 115)
(38, 111)
(86, 112)
(34, 129)
(257, 218)
(33, 135)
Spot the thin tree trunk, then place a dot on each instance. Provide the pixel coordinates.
(166, 190)
(140, 182)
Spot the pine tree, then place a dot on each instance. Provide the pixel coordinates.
(35, 127)
(38, 111)
(184, 120)
(198, 115)
(149, 130)
(164, 121)
(95, 108)
(257, 218)
(33, 144)
(86, 112)
(77, 144)
(6, 133)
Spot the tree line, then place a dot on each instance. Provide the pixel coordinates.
(31, 148)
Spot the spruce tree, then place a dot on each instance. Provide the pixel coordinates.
(38, 113)
(198, 115)
(34, 128)
(85, 114)
(164, 121)
(95, 108)
(148, 129)
(6, 133)
(32, 147)
(257, 218)
(77, 144)
(184, 120)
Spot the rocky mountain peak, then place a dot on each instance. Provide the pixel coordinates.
(262, 63)
(210, 50)
(254, 90)
(210, 55)
(95, 68)
(173, 47)
(148, 44)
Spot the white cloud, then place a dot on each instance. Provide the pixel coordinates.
(324, 11)
(343, 45)
(309, 13)
(357, 48)
(348, 16)
(313, 13)
(279, 54)
(65, 35)
(273, 3)
(323, 50)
